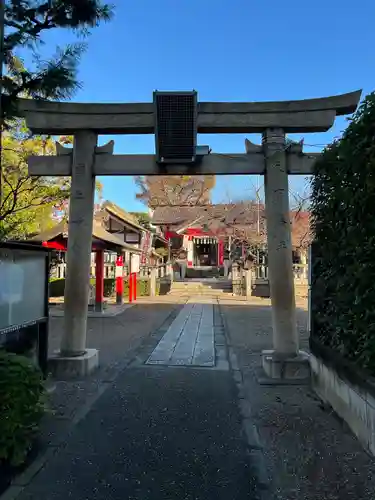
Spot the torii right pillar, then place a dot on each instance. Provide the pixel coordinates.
(285, 362)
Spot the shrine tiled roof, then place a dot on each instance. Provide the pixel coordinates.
(230, 212)
(121, 214)
(98, 232)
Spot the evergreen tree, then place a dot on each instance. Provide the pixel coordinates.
(27, 204)
(25, 23)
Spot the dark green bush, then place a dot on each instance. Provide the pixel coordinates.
(343, 204)
(22, 405)
(57, 286)
(109, 286)
(143, 287)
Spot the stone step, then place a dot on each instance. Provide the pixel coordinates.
(189, 289)
(182, 286)
(203, 287)
(208, 293)
(201, 292)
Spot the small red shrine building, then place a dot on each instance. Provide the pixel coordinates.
(205, 235)
(103, 243)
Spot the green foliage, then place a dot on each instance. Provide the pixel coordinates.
(143, 287)
(142, 217)
(22, 405)
(162, 251)
(57, 286)
(25, 23)
(27, 203)
(109, 286)
(343, 200)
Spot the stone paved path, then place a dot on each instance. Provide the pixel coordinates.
(189, 340)
(162, 431)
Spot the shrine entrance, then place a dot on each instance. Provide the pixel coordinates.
(176, 118)
(205, 252)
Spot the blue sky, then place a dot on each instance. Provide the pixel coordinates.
(228, 51)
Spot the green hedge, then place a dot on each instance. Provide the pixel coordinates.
(343, 204)
(57, 287)
(143, 288)
(22, 405)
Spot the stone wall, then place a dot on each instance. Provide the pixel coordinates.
(353, 402)
(261, 288)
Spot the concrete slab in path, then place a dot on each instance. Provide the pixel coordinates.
(158, 434)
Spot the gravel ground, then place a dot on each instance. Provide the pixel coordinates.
(310, 453)
(176, 433)
(116, 336)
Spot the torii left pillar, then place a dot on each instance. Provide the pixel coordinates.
(74, 359)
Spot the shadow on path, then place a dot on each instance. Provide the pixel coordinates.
(158, 433)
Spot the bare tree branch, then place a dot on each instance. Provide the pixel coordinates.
(174, 190)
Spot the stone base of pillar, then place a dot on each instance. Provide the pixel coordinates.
(281, 370)
(65, 367)
(99, 307)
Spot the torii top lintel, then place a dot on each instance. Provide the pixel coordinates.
(308, 115)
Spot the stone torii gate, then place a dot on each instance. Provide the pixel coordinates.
(274, 159)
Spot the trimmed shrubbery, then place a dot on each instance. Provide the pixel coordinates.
(57, 286)
(143, 287)
(22, 405)
(343, 210)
